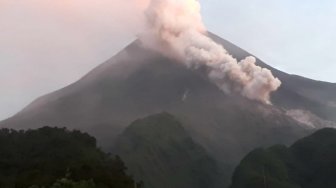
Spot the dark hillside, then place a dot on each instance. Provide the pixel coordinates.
(40, 157)
(308, 163)
(159, 151)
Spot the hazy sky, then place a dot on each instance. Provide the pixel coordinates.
(48, 44)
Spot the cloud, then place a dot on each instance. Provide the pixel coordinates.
(176, 28)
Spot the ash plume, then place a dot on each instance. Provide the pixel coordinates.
(175, 28)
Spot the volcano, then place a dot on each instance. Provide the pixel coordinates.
(138, 82)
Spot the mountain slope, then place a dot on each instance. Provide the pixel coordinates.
(296, 92)
(160, 152)
(138, 82)
(308, 163)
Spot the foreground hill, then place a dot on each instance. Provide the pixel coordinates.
(308, 163)
(138, 82)
(41, 157)
(160, 152)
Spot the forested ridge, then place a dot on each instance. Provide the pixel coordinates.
(57, 158)
(308, 163)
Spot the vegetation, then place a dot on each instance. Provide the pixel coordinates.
(308, 163)
(42, 157)
(158, 150)
(66, 183)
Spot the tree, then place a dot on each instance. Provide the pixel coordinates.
(41, 157)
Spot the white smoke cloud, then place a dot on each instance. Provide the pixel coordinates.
(175, 28)
(309, 119)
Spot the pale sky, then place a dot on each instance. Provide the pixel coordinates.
(47, 44)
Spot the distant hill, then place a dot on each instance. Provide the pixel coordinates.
(308, 163)
(41, 157)
(160, 152)
(138, 82)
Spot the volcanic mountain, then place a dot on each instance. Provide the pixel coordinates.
(138, 82)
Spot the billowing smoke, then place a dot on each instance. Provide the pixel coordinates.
(175, 28)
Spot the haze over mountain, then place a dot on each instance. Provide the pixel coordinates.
(138, 82)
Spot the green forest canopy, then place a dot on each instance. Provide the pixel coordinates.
(57, 158)
(308, 163)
